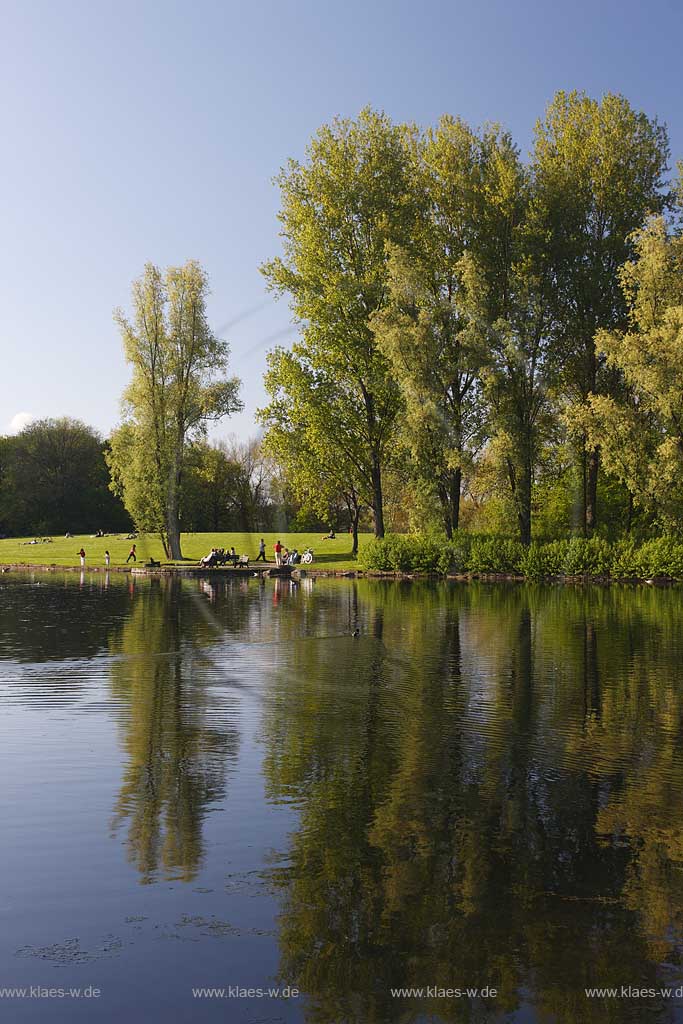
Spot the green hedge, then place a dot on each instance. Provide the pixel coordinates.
(476, 554)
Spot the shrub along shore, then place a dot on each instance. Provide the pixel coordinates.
(472, 555)
(397, 554)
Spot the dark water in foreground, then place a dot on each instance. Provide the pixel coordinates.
(220, 786)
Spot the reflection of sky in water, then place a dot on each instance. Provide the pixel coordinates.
(213, 783)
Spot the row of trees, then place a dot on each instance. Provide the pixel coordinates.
(460, 308)
(469, 324)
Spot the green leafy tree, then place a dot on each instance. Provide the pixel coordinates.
(321, 476)
(178, 386)
(434, 349)
(508, 283)
(598, 169)
(641, 435)
(338, 211)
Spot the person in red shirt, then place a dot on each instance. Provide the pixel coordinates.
(132, 554)
(278, 553)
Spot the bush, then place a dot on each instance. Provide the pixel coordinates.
(543, 559)
(495, 554)
(626, 560)
(661, 557)
(471, 553)
(402, 553)
(591, 557)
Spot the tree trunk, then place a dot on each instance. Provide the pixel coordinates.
(442, 491)
(456, 483)
(172, 515)
(377, 498)
(592, 491)
(173, 531)
(524, 500)
(584, 490)
(354, 528)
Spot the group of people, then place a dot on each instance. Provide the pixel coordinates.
(219, 556)
(283, 556)
(132, 554)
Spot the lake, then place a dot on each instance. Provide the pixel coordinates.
(216, 785)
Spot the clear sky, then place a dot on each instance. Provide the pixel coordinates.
(151, 131)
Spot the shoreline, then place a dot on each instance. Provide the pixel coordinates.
(302, 572)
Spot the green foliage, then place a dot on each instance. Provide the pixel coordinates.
(495, 555)
(426, 330)
(662, 556)
(333, 393)
(53, 478)
(594, 557)
(640, 431)
(177, 387)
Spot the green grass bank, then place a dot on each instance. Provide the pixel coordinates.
(465, 555)
(63, 551)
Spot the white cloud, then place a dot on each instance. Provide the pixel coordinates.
(19, 421)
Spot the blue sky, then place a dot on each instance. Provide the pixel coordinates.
(151, 131)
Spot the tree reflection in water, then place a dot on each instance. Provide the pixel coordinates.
(490, 784)
(176, 761)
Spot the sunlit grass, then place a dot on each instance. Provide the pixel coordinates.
(330, 554)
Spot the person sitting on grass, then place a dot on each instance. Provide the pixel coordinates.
(330, 536)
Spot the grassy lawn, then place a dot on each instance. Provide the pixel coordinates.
(328, 554)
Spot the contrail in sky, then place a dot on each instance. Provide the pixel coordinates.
(283, 332)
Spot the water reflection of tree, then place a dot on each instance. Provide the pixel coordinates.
(177, 763)
(489, 794)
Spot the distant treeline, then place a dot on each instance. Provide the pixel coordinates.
(54, 478)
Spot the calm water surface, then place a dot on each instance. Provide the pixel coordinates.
(214, 785)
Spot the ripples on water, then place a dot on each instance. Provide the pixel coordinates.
(208, 784)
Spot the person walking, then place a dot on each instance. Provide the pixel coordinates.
(261, 551)
(131, 554)
(107, 559)
(278, 553)
(81, 554)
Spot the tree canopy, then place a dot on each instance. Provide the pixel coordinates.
(178, 385)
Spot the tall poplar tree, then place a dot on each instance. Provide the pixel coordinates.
(338, 211)
(641, 432)
(425, 329)
(178, 386)
(507, 283)
(598, 168)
